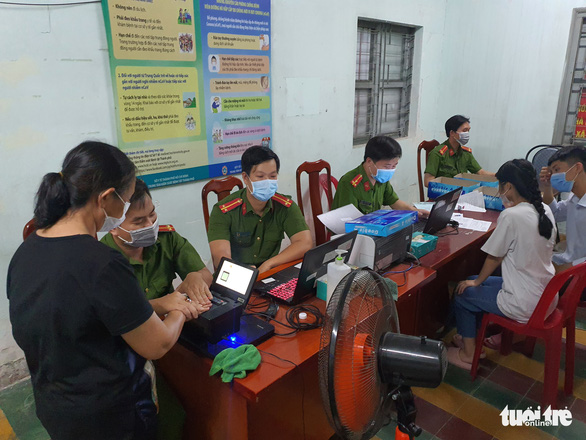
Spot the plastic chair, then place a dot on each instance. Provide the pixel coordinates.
(570, 282)
(222, 187)
(541, 155)
(28, 229)
(316, 181)
(427, 146)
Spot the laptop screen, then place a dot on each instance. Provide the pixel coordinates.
(234, 280)
(234, 276)
(442, 211)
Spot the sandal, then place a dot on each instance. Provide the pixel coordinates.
(493, 342)
(454, 359)
(457, 341)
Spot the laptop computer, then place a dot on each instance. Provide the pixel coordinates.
(293, 284)
(441, 213)
(231, 289)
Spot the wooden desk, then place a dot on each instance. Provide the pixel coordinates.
(455, 258)
(452, 247)
(415, 280)
(278, 400)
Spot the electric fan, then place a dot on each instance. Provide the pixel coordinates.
(365, 364)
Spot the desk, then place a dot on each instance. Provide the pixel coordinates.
(455, 258)
(278, 400)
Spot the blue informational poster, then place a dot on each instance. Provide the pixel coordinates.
(191, 84)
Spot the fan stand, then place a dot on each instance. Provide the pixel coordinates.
(406, 412)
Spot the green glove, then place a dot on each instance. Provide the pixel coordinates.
(235, 362)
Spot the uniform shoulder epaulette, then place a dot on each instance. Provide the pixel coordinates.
(285, 201)
(166, 228)
(229, 206)
(443, 150)
(469, 150)
(354, 182)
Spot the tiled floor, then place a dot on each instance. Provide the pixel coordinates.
(458, 409)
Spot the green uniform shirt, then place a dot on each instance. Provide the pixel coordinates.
(169, 255)
(444, 162)
(355, 188)
(254, 239)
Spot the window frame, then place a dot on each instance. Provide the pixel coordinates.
(381, 32)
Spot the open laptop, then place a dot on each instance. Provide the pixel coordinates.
(232, 285)
(231, 289)
(441, 213)
(293, 284)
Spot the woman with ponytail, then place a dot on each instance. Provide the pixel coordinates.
(522, 244)
(77, 310)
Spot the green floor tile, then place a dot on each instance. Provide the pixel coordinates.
(18, 405)
(576, 431)
(496, 395)
(525, 403)
(460, 379)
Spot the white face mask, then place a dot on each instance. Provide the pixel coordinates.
(506, 202)
(143, 237)
(113, 222)
(464, 137)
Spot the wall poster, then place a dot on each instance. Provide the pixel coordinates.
(191, 82)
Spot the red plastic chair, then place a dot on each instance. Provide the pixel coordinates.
(427, 146)
(549, 329)
(316, 181)
(222, 188)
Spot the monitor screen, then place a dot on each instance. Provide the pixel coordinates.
(235, 276)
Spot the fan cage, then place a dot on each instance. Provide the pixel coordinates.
(360, 311)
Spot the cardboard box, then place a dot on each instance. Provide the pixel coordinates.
(382, 223)
(443, 185)
(491, 198)
(483, 180)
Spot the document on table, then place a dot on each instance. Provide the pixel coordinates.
(471, 223)
(473, 202)
(336, 219)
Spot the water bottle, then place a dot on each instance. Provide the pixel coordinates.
(336, 271)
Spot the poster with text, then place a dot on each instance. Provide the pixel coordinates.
(580, 131)
(191, 82)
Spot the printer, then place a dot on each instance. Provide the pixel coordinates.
(379, 253)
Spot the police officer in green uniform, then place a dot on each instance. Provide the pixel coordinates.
(453, 157)
(367, 186)
(248, 225)
(156, 254)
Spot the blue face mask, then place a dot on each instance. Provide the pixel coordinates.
(559, 181)
(263, 190)
(383, 175)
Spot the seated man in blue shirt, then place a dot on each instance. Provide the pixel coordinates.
(565, 173)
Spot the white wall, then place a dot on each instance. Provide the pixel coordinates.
(499, 62)
(506, 60)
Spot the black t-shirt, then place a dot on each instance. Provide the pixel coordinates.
(70, 300)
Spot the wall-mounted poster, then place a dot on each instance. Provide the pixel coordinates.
(580, 132)
(191, 82)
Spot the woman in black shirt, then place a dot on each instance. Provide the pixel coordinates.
(77, 310)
